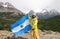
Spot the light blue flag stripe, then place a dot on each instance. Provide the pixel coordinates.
(20, 21)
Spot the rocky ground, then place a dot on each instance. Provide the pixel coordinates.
(43, 35)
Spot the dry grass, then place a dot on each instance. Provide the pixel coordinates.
(42, 34)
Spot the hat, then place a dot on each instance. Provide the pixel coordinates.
(32, 13)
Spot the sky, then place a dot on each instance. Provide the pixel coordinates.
(35, 5)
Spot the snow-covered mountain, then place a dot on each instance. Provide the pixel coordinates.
(44, 14)
(47, 14)
(8, 7)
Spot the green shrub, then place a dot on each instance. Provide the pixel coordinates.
(7, 18)
(50, 24)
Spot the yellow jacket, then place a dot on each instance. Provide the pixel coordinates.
(33, 22)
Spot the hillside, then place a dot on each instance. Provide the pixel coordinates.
(8, 15)
(46, 24)
(50, 24)
(7, 18)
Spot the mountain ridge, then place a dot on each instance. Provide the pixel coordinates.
(8, 7)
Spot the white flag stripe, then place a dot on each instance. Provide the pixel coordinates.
(18, 28)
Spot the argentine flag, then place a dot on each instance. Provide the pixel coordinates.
(21, 26)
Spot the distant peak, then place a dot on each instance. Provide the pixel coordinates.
(44, 10)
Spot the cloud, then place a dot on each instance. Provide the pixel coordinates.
(36, 5)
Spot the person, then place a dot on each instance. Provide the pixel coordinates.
(33, 19)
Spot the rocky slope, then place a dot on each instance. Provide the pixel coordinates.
(43, 35)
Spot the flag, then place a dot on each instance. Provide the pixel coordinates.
(20, 26)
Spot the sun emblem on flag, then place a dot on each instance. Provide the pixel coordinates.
(21, 26)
